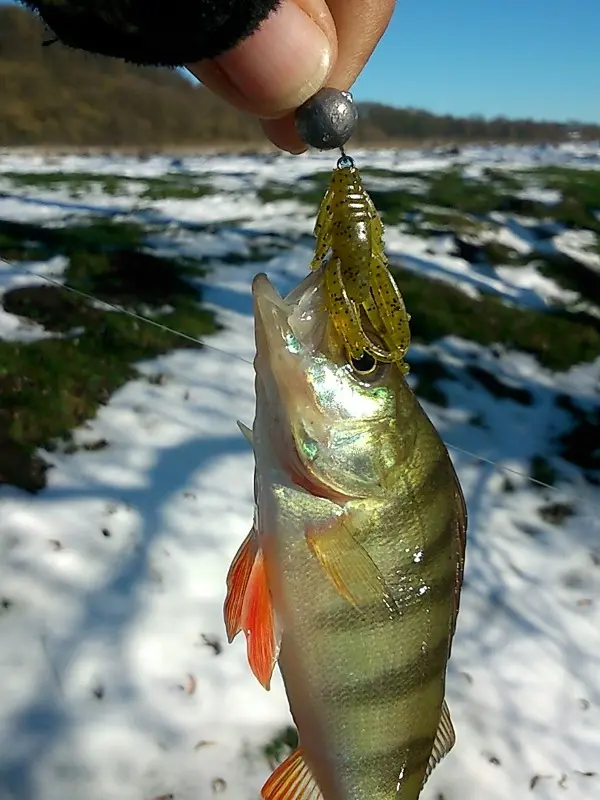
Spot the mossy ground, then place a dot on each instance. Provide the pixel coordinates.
(280, 746)
(77, 184)
(50, 386)
(558, 340)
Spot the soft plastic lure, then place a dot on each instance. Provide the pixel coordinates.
(363, 300)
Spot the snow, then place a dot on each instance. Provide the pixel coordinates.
(540, 195)
(534, 287)
(116, 681)
(20, 329)
(576, 244)
(522, 284)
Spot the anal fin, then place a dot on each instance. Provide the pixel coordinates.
(292, 780)
(444, 741)
(348, 566)
(248, 607)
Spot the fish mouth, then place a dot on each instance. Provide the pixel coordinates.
(277, 373)
(288, 325)
(271, 315)
(280, 365)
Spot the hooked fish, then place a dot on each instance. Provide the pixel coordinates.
(350, 576)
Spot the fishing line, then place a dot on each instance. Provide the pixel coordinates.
(133, 314)
(504, 469)
(141, 318)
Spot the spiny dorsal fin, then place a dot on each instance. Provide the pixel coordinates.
(292, 780)
(444, 741)
(246, 432)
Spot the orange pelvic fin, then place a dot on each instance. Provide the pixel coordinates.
(248, 608)
(292, 780)
(348, 566)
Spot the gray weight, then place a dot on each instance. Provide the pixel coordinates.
(327, 120)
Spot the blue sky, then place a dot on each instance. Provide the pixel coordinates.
(518, 58)
(534, 58)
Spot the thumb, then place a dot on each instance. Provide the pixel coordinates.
(280, 66)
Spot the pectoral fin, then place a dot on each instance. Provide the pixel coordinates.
(292, 780)
(444, 741)
(348, 566)
(248, 607)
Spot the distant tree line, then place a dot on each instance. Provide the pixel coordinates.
(56, 96)
(380, 121)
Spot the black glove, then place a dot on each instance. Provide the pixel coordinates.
(154, 32)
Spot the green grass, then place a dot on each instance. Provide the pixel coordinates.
(467, 197)
(95, 235)
(273, 193)
(75, 182)
(384, 172)
(437, 309)
(505, 181)
(180, 187)
(427, 373)
(451, 190)
(173, 185)
(525, 207)
(430, 220)
(49, 387)
(393, 205)
(580, 190)
(280, 746)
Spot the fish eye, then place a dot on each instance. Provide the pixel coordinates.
(364, 365)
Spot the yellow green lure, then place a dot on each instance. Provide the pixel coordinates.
(363, 300)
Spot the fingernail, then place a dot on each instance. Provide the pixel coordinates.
(281, 65)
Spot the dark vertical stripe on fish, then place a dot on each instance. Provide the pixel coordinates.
(346, 617)
(406, 758)
(384, 688)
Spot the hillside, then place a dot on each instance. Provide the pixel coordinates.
(55, 96)
(52, 95)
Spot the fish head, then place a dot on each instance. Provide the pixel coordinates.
(334, 423)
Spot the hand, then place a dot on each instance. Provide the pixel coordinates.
(304, 45)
